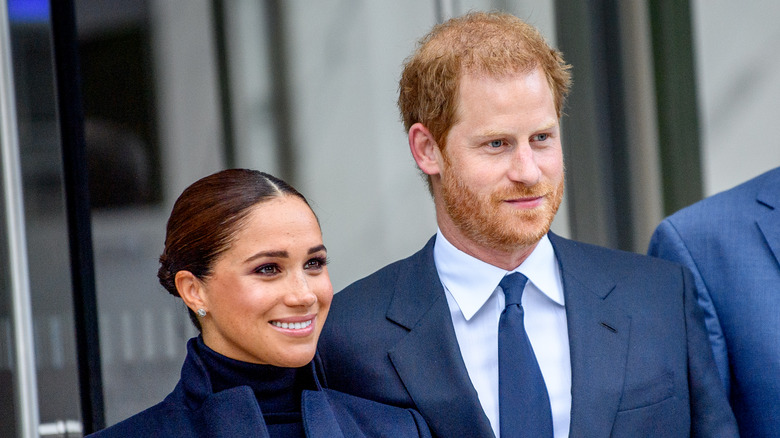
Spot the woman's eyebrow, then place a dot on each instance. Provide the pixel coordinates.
(275, 254)
(317, 248)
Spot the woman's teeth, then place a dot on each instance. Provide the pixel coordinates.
(292, 325)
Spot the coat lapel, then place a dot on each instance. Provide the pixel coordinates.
(769, 223)
(598, 339)
(228, 413)
(233, 412)
(428, 359)
(319, 420)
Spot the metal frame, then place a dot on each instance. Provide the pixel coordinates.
(280, 64)
(617, 115)
(223, 73)
(25, 372)
(594, 130)
(74, 160)
(678, 113)
(445, 9)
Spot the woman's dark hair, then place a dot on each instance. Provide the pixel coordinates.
(207, 216)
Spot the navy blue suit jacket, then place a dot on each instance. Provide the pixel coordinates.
(193, 410)
(731, 243)
(641, 363)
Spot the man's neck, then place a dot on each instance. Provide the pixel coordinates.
(507, 260)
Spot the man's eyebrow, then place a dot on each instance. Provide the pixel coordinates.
(490, 133)
(550, 125)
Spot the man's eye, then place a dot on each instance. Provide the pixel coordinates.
(541, 137)
(496, 143)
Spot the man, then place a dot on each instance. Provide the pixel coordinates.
(617, 344)
(731, 242)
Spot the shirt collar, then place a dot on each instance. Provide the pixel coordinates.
(471, 281)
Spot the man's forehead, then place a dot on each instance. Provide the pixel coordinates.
(497, 74)
(497, 70)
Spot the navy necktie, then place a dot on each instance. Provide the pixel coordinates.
(524, 406)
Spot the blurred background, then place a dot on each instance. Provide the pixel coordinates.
(107, 112)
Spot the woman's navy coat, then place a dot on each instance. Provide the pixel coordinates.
(192, 410)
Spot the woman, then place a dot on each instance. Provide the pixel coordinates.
(244, 252)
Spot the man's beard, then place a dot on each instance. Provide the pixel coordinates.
(486, 221)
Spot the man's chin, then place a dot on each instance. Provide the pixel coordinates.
(509, 240)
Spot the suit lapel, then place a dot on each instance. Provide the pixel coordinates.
(598, 338)
(769, 223)
(428, 359)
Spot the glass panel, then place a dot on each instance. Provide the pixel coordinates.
(143, 329)
(312, 91)
(45, 220)
(339, 64)
(738, 89)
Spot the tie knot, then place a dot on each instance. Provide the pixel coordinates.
(513, 285)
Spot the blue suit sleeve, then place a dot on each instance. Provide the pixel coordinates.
(667, 243)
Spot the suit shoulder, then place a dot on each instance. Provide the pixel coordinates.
(376, 284)
(588, 251)
(730, 205)
(598, 260)
(372, 283)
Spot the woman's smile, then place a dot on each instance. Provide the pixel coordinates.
(295, 326)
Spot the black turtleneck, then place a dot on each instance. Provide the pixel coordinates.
(278, 390)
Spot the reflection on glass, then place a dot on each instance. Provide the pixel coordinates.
(142, 328)
(44, 216)
(7, 393)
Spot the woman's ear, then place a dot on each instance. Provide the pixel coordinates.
(190, 290)
(424, 149)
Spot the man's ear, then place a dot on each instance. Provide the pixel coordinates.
(190, 290)
(424, 149)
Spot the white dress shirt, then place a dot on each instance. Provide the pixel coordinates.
(476, 302)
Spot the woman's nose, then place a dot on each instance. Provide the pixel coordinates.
(300, 294)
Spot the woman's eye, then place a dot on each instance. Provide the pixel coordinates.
(496, 143)
(315, 263)
(267, 269)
